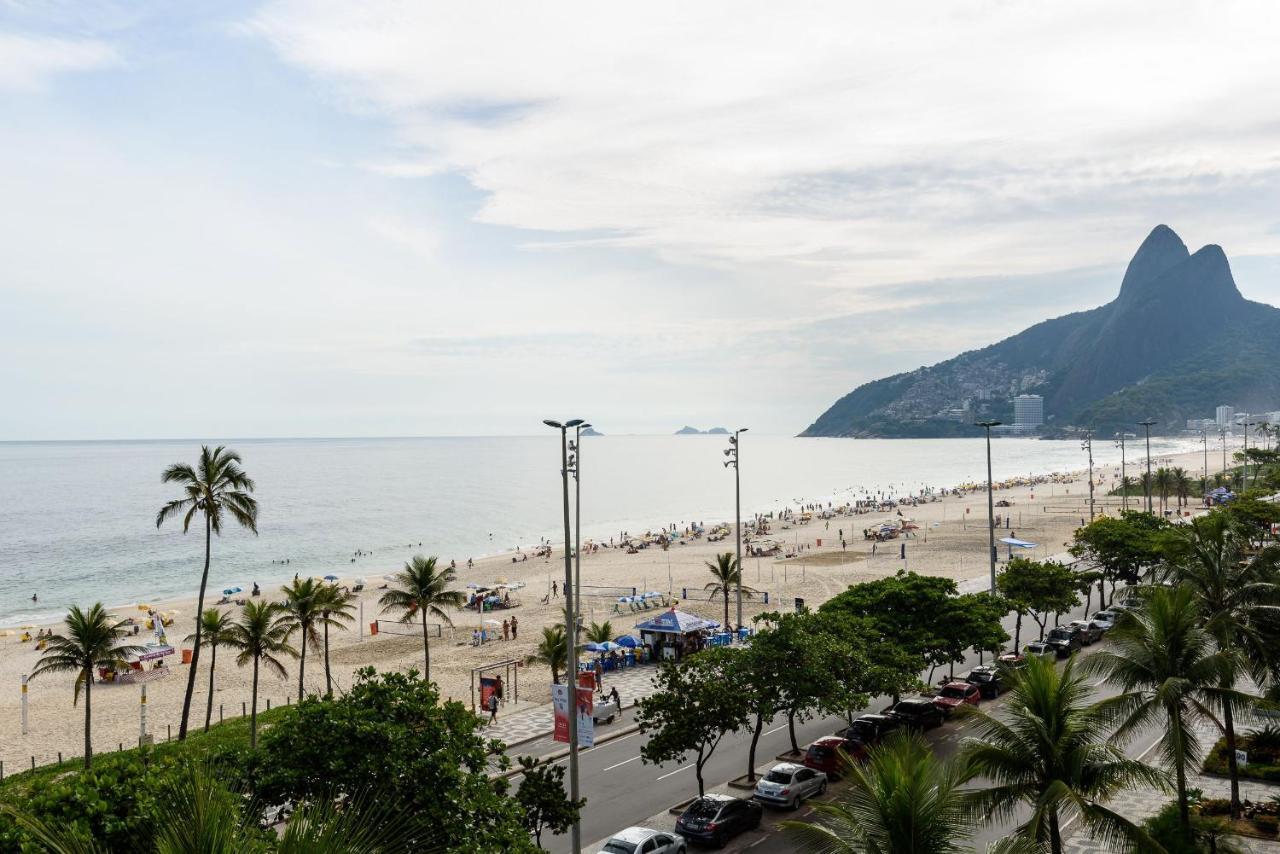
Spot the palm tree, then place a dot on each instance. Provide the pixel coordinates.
(1170, 671)
(336, 606)
(301, 613)
(215, 488)
(1181, 482)
(1049, 751)
(902, 800)
(1163, 481)
(423, 591)
(727, 575)
(551, 651)
(92, 640)
(1237, 599)
(261, 634)
(600, 632)
(213, 626)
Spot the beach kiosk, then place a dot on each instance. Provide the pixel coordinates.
(674, 634)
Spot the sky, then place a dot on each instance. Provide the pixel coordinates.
(315, 218)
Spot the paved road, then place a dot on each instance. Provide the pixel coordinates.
(622, 790)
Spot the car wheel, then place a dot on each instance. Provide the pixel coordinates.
(795, 803)
(822, 790)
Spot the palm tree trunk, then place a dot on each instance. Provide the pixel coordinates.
(253, 708)
(213, 663)
(88, 719)
(426, 649)
(1055, 833)
(1180, 773)
(726, 605)
(302, 664)
(1229, 724)
(755, 739)
(195, 651)
(328, 680)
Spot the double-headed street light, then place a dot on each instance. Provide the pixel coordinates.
(991, 506)
(1087, 445)
(732, 452)
(1124, 485)
(575, 466)
(571, 624)
(1147, 486)
(1244, 450)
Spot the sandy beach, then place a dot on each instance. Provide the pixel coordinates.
(950, 542)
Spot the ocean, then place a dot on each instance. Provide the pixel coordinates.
(77, 519)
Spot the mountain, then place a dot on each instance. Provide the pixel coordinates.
(1178, 340)
(591, 431)
(694, 431)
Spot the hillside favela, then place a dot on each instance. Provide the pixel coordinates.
(639, 429)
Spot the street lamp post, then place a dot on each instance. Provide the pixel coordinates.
(1087, 445)
(571, 628)
(1204, 440)
(575, 464)
(1222, 434)
(1147, 486)
(733, 453)
(1124, 485)
(991, 505)
(1244, 450)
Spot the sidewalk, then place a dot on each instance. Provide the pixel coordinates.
(633, 684)
(1142, 803)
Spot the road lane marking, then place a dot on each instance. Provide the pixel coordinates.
(677, 771)
(623, 762)
(775, 729)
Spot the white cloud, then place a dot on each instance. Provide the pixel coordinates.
(855, 143)
(29, 63)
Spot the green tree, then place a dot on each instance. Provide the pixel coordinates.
(728, 575)
(974, 622)
(216, 487)
(393, 727)
(214, 625)
(1049, 751)
(262, 636)
(1038, 588)
(1236, 598)
(422, 591)
(300, 613)
(1163, 482)
(551, 651)
(335, 606)
(92, 639)
(1121, 547)
(902, 800)
(1170, 672)
(1254, 515)
(697, 702)
(1181, 484)
(542, 795)
(808, 657)
(600, 632)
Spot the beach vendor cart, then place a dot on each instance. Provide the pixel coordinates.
(146, 666)
(674, 634)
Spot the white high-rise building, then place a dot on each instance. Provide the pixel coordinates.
(1028, 410)
(1225, 415)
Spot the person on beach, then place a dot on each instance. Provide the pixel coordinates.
(506, 630)
(554, 590)
(515, 625)
(256, 590)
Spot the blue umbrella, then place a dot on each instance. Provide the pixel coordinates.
(624, 599)
(230, 590)
(609, 646)
(331, 578)
(592, 646)
(628, 641)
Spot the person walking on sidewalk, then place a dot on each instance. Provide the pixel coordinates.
(493, 708)
(613, 695)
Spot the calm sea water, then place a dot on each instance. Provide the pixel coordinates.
(77, 519)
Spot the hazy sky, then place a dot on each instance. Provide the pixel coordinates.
(415, 218)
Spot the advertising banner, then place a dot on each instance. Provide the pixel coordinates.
(586, 720)
(560, 704)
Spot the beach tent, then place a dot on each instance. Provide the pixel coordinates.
(1014, 542)
(673, 634)
(626, 641)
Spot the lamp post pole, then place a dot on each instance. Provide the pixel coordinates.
(1087, 445)
(1147, 486)
(1244, 450)
(1124, 485)
(991, 504)
(1222, 434)
(571, 630)
(575, 464)
(1204, 481)
(733, 453)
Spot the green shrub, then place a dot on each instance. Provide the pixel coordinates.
(1268, 824)
(1166, 828)
(1215, 806)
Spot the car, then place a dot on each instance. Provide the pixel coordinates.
(1012, 660)
(787, 784)
(644, 840)
(917, 714)
(987, 678)
(824, 754)
(1064, 640)
(869, 730)
(1041, 650)
(715, 819)
(953, 695)
(1105, 620)
(1090, 633)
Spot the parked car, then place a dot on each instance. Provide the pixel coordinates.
(953, 695)
(1041, 650)
(1012, 660)
(917, 713)
(715, 819)
(824, 754)
(987, 678)
(869, 730)
(644, 840)
(787, 784)
(1088, 631)
(1064, 639)
(1104, 620)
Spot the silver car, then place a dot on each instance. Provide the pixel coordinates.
(788, 784)
(644, 840)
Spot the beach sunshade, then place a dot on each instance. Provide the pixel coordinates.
(331, 578)
(1022, 544)
(493, 622)
(609, 646)
(227, 591)
(362, 581)
(627, 640)
(624, 599)
(592, 646)
(473, 585)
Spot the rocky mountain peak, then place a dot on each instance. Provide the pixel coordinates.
(1161, 251)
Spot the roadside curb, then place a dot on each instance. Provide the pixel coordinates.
(742, 783)
(680, 807)
(562, 753)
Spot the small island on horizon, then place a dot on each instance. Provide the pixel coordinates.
(694, 431)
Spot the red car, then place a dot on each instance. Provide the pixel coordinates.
(823, 755)
(956, 694)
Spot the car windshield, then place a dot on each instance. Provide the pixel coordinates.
(952, 692)
(863, 728)
(778, 777)
(817, 751)
(617, 846)
(702, 809)
(979, 677)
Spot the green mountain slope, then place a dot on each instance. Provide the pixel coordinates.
(1177, 341)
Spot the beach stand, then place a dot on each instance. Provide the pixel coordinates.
(674, 634)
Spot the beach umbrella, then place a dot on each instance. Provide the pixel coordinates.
(624, 599)
(653, 594)
(227, 591)
(627, 641)
(331, 578)
(362, 581)
(592, 646)
(473, 586)
(493, 622)
(609, 646)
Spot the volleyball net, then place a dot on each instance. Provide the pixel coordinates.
(395, 627)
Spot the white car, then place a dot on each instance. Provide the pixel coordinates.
(644, 840)
(787, 784)
(1104, 620)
